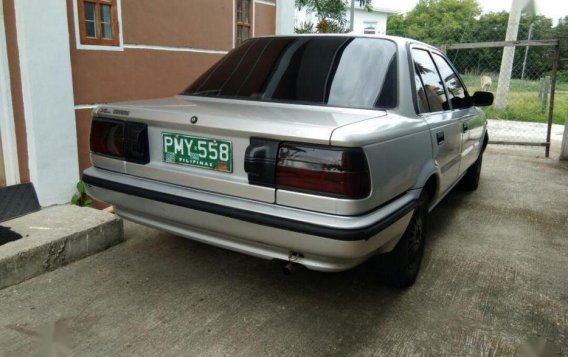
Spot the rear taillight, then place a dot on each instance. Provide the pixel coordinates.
(340, 172)
(107, 137)
(122, 140)
(136, 147)
(260, 161)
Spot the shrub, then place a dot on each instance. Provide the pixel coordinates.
(80, 198)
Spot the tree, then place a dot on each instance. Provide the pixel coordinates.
(447, 20)
(561, 32)
(331, 14)
(436, 21)
(492, 27)
(460, 21)
(396, 25)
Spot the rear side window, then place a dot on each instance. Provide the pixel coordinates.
(456, 91)
(336, 71)
(420, 94)
(432, 87)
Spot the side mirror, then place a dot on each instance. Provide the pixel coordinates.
(482, 99)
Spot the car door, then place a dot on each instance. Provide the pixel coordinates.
(435, 108)
(470, 118)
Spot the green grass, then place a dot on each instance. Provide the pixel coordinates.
(523, 103)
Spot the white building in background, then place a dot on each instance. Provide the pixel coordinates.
(366, 22)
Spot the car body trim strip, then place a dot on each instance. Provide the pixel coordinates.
(349, 234)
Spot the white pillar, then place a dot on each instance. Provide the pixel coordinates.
(508, 56)
(47, 89)
(285, 12)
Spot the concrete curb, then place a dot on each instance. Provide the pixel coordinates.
(54, 237)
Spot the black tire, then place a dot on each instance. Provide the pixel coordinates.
(401, 266)
(470, 181)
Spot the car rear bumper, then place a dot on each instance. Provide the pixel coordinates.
(318, 241)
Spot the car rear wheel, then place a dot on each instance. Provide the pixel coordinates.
(470, 181)
(401, 266)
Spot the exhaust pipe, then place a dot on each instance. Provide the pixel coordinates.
(290, 268)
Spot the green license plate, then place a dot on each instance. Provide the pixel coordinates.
(213, 154)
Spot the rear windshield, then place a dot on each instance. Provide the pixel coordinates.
(337, 71)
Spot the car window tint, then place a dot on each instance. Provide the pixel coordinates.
(388, 96)
(456, 91)
(432, 83)
(420, 95)
(338, 71)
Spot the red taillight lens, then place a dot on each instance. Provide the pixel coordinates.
(107, 137)
(122, 140)
(341, 172)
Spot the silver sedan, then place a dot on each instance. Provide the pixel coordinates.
(321, 151)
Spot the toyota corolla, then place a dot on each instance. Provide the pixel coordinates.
(317, 150)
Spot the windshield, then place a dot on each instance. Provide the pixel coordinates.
(336, 71)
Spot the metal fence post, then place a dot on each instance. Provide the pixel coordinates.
(555, 60)
(544, 89)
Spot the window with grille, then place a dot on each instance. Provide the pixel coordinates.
(370, 28)
(244, 20)
(98, 22)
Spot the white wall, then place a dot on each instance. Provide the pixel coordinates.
(285, 10)
(47, 88)
(361, 16)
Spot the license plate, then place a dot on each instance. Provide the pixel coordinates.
(207, 153)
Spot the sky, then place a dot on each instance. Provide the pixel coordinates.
(549, 8)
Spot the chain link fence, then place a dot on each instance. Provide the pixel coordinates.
(523, 77)
(529, 102)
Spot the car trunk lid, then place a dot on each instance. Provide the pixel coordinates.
(219, 121)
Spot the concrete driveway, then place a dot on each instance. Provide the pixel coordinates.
(515, 131)
(495, 274)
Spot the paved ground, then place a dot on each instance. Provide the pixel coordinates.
(494, 275)
(520, 131)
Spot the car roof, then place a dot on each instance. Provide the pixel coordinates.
(401, 41)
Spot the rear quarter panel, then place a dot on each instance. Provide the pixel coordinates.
(398, 149)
